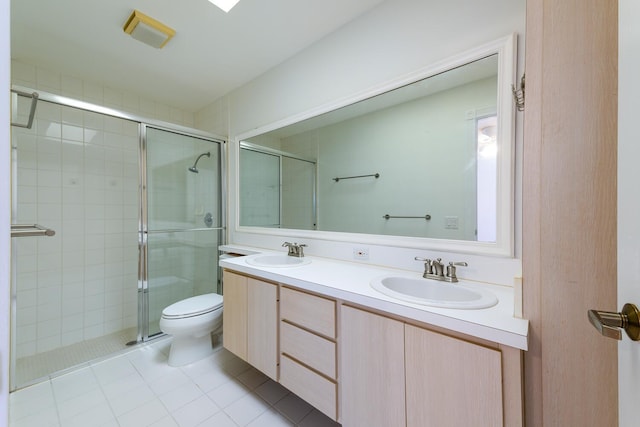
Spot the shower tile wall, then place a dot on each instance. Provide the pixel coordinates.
(78, 174)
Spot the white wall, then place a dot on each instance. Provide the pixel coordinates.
(395, 39)
(5, 210)
(52, 81)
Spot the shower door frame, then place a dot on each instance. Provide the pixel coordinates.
(143, 123)
(143, 223)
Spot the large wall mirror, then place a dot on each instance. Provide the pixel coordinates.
(427, 161)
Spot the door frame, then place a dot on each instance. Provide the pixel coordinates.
(628, 264)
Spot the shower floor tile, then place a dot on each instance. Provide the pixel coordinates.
(138, 387)
(31, 369)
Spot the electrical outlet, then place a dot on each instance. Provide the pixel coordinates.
(451, 222)
(361, 253)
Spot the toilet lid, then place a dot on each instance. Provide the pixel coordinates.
(193, 306)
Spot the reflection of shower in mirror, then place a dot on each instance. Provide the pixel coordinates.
(193, 168)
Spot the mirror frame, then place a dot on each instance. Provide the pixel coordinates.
(506, 48)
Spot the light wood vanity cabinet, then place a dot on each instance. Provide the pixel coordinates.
(250, 321)
(301, 341)
(308, 357)
(382, 371)
(394, 373)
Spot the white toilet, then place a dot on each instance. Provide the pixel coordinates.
(191, 323)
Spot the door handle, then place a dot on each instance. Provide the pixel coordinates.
(609, 323)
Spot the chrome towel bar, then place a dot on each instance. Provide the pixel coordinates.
(32, 112)
(427, 217)
(30, 230)
(377, 175)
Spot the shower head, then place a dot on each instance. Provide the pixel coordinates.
(193, 168)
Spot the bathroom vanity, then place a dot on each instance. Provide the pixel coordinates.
(367, 359)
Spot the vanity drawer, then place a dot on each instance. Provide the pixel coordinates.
(310, 386)
(312, 350)
(309, 311)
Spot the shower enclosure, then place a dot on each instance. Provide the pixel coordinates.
(277, 188)
(135, 230)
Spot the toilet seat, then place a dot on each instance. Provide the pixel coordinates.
(194, 306)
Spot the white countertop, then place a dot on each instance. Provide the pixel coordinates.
(349, 282)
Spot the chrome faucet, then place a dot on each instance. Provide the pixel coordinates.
(435, 269)
(295, 249)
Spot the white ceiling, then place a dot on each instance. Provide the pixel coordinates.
(211, 54)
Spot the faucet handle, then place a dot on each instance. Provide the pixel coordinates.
(293, 248)
(451, 270)
(460, 263)
(428, 265)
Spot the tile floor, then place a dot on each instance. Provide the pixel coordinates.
(31, 369)
(138, 389)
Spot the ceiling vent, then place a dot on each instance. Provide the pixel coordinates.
(147, 30)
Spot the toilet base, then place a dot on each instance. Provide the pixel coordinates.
(185, 350)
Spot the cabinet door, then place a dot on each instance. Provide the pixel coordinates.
(451, 382)
(234, 314)
(372, 370)
(262, 326)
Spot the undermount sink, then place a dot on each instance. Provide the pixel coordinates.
(277, 261)
(434, 293)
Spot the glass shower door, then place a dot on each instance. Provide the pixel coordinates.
(181, 229)
(298, 194)
(259, 189)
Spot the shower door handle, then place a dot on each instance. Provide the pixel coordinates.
(30, 230)
(208, 219)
